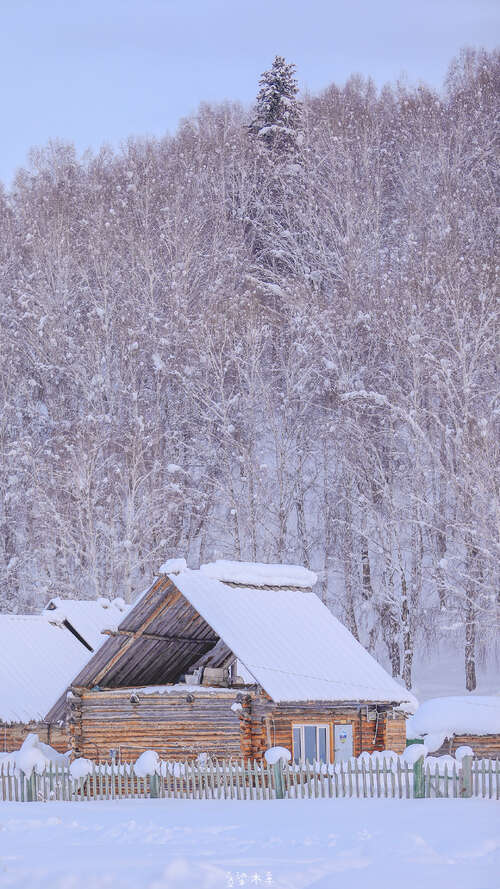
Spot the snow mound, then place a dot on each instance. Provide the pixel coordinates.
(80, 768)
(33, 755)
(364, 757)
(445, 717)
(413, 753)
(173, 566)
(437, 764)
(462, 751)
(389, 756)
(31, 760)
(147, 764)
(274, 754)
(259, 574)
(434, 740)
(120, 603)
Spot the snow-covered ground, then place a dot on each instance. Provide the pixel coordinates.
(321, 844)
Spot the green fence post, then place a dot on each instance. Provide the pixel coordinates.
(418, 779)
(153, 787)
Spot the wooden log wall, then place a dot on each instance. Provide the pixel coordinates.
(182, 723)
(272, 725)
(12, 736)
(178, 725)
(484, 746)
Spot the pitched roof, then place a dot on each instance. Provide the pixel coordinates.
(89, 617)
(290, 643)
(37, 662)
(287, 639)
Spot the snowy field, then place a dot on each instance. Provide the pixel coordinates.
(162, 844)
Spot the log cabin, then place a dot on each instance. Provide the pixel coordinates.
(229, 660)
(445, 724)
(39, 655)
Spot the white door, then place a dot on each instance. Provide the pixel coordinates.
(343, 742)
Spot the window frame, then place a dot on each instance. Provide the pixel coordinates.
(301, 726)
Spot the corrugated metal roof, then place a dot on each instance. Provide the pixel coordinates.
(37, 662)
(291, 643)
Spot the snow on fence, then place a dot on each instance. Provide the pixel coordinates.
(252, 780)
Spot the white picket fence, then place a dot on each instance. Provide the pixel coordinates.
(252, 780)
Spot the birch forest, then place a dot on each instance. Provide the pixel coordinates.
(265, 339)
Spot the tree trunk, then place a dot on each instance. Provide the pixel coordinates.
(470, 617)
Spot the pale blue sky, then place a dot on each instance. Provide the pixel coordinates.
(94, 71)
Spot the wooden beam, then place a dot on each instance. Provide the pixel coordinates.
(134, 634)
(219, 653)
(149, 620)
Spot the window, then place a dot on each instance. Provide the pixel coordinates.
(310, 742)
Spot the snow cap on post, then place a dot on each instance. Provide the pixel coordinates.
(148, 764)
(274, 754)
(80, 768)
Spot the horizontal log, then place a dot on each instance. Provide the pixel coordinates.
(134, 634)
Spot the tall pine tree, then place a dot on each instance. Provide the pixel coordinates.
(278, 110)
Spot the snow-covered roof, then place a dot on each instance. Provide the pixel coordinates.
(173, 566)
(290, 643)
(37, 662)
(89, 617)
(258, 574)
(458, 715)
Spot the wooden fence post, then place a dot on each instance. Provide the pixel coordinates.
(278, 780)
(153, 787)
(465, 779)
(418, 779)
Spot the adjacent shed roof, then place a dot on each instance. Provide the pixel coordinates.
(89, 617)
(287, 639)
(457, 715)
(37, 662)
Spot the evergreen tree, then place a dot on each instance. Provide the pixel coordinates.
(278, 110)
